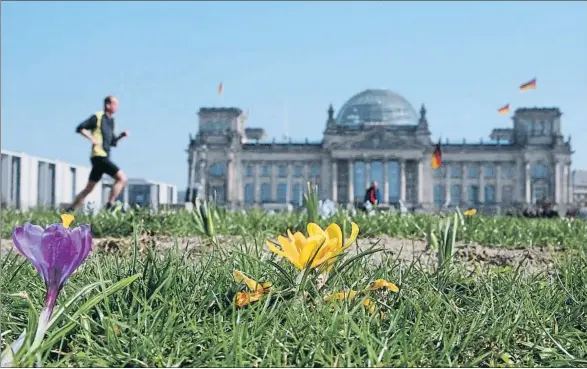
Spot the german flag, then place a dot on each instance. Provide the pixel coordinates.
(220, 88)
(504, 109)
(530, 85)
(436, 160)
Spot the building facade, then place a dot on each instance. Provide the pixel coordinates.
(30, 181)
(33, 182)
(143, 193)
(378, 136)
(580, 188)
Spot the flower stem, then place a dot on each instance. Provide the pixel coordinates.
(44, 319)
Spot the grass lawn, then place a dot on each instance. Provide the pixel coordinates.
(147, 305)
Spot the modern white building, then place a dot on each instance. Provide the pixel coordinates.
(143, 193)
(377, 135)
(31, 182)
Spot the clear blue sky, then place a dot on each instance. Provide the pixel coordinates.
(281, 61)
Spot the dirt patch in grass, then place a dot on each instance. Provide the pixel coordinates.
(401, 250)
(408, 251)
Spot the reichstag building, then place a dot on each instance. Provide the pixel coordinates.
(377, 135)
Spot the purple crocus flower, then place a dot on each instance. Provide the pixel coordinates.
(56, 253)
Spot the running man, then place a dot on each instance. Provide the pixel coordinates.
(99, 129)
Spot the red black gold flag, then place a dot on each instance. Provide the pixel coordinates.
(504, 109)
(220, 88)
(436, 160)
(530, 85)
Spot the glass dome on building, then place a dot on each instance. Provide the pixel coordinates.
(377, 107)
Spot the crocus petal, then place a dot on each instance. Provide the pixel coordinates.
(470, 212)
(244, 298)
(300, 240)
(240, 277)
(59, 252)
(377, 284)
(369, 304)
(319, 260)
(312, 243)
(274, 249)
(27, 240)
(334, 231)
(279, 252)
(315, 230)
(339, 296)
(81, 238)
(288, 248)
(353, 236)
(382, 283)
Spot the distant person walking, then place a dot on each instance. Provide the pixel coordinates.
(372, 198)
(100, 130)
(372, 195)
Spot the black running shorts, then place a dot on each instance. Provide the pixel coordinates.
(101, 166)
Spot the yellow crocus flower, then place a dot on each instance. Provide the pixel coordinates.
(258, 289)
(244, 298)
(298, 249)
(470, 212)
(369, 304)
(339, 296)
(253, 285)
(382, 283)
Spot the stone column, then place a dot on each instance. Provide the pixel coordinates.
(257, 182)
(464, 187)
(288, 193)
(528, 184)
(569, 193)
(519, 182)
(273, 179)
(351, 179)
(558, 185)
(402, 171)
(385, 181)
(565, 182)
(229, 192)
(498, 193)
(481, 185)
(334, 182)
(203, 183)
(367, 173)
(240, 180)
(421, 181)
(447, 185)
(325, 174)
(191, 174)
